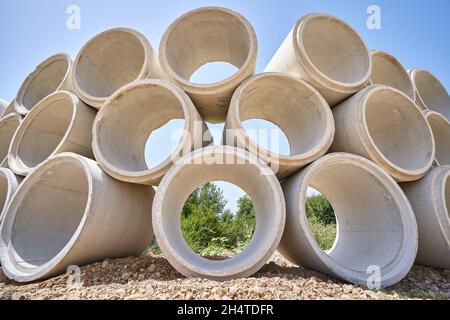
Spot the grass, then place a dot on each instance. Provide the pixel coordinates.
(324, 234)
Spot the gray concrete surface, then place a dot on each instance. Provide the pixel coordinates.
(430, 199)
(9, 182)
(441, 133)
(430, 93)
(295, 107)
(387, 70)
(219, 163)
(59, 123)
(111, 60)
(69, 212)
(8, 127)
(328, 54)
(204, 35)
(375, 222)
(385, 125)
(51, 75)
(124, 124)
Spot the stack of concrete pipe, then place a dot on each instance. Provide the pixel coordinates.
(87, 193)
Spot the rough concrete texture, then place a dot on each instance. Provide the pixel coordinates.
(430, 93)
(69, 212)
(291, 104)
(375, 222)
(59, 123)
(8, 127)
(441, 133)
(233, 165)
(430, 199)
(384, 125)
(3, 105)
(387, 70)
(125, 122)
(10, 109)
(111, 60)
(9, 183)
(328, 54)
(52, 75)
(209, 34)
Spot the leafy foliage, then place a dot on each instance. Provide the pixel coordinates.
(211, 230)
(322, 220)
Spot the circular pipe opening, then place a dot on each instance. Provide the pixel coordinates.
(431, 92)
(109, 61)
(334, 49)
(376, 227)
(48, 77)
(8, 185)
(8, 127)
(207, 35)
(368, 233)
(292, 105)
(234, 166)
(123, 126)
(44, 217)
(441, 133)
(42, 132)
(387, 70)
(398, 131)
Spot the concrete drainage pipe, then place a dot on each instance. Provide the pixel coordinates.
(384, 125)
(441, 132)
(10, 109)
(430, 199)
(124, 124)
(8, 127)
(232, 165)
(328, 54)
(387, 70)
(59, 123)
(9, 183)
(294, 106)
(109, 61)
(69, 212)
(376, 227)
(209, 34)
(54, 74)
(430, 93)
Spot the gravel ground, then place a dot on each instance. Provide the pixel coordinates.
(152, 277)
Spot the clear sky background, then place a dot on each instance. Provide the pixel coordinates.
(416, 32)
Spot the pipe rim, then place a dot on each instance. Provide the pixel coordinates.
(146, 69)
(19, 105)
(156, 172)
(397, 271)
(413, 73)
(7, 252)
(219, 270)
(411, 92)
(441, 181)
(399, 173)
(297, 159)
(3, 122)
(12, 185)
(311, 68)
(14, 160)
(429, 114)
(230, 82)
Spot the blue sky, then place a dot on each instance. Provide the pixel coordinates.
(416, 32)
